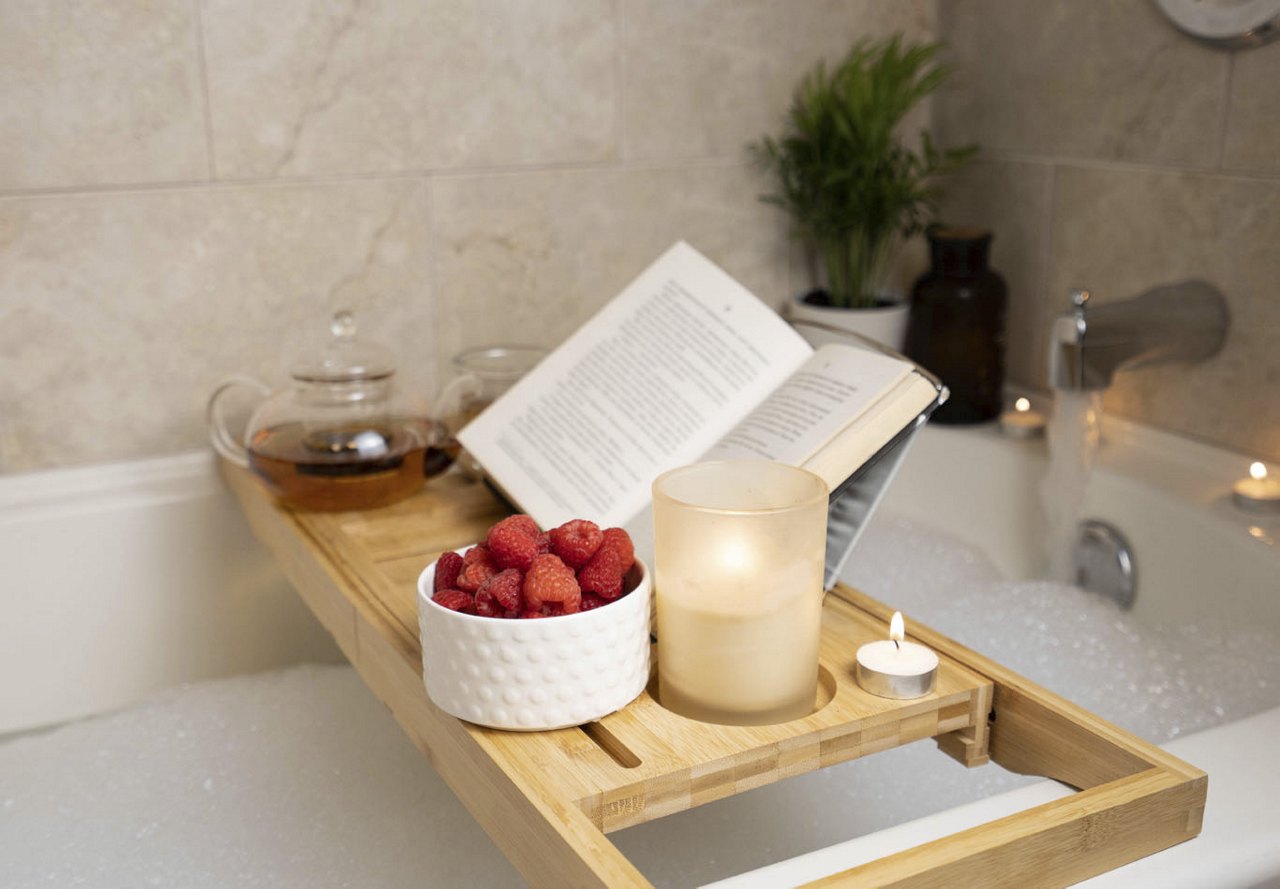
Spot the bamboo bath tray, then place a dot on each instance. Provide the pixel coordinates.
(548, 798)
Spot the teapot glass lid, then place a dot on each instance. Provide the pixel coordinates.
(346, 358)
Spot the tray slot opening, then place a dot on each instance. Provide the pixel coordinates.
(610, 744)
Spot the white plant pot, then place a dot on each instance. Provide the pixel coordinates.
(886, 325)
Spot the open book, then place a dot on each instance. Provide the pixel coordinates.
(687, 365)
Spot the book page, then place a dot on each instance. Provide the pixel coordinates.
(649, 383)
(849, 450)
(827, 394)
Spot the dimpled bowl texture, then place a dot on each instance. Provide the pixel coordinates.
(536, 674)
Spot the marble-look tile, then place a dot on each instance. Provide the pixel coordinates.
(1253, 111)
(119, 312)
(302, 88)
(96, 92)
(1118, 233)
(704, 79)
(1106, 79)
(1012, 200)
(528, 257)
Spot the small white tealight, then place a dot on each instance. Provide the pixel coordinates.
(1022, 421)
(1259, 492)
(895, 668)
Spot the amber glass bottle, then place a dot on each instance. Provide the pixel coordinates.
(956, 328)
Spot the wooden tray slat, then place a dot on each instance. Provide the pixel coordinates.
(547, 798)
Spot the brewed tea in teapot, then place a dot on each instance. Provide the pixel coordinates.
(340, 437)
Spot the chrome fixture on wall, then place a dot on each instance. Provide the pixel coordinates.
(1187, 321)
(1227, 24)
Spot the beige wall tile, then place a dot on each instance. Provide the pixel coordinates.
(1105, 79)
(1012, 200)
(118, 312)
(529, 257)
(1253, 111)
(99, 92)
(298, 88)
(704, 79)
(1119, 232)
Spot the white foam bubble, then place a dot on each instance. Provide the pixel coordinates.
(296, 778)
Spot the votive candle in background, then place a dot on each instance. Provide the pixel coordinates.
(1022, 421)
(1260, 492)
(738, 569)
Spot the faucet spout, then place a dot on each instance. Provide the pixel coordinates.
(1187, 321)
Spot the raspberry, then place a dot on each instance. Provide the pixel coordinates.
(544, 543)
(504, 587)
(477, 567)
(603, 574)
(448, 566)
(551, 580)
(576, 542)
(619, 541)
(512, 543)
(590, 602)
(524, 523)
(455, 600)
(486, 604)
(477, 553)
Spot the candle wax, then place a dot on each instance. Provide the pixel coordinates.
(911, 659)
(1258, 494)
(1022, 424)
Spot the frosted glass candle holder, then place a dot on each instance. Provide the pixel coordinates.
(739, 548)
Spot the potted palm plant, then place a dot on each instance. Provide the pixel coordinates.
(854, 191)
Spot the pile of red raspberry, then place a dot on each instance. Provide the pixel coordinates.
(522, 571)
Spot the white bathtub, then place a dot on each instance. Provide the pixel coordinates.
(118, 580)
(1197, 555)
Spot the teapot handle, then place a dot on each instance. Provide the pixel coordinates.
(223, 442)
(454, 397)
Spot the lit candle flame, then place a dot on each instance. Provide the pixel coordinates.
(897, 630)
(1258, 470)
(735, 556)
(1022, 405)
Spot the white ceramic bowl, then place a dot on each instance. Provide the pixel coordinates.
(544, 673)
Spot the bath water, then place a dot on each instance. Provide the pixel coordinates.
(301, 778)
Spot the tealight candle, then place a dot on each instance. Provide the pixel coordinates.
(895, 668)
(1022, 421)
(1259, 492)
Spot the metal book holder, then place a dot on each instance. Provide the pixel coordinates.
(854, 501)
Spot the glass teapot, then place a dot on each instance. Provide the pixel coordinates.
(341, 437)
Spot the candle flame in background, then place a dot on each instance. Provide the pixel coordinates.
(897, 629)
(1258, 470)
(1021, 405)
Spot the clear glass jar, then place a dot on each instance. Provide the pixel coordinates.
(483, 373)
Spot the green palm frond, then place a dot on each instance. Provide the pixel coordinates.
(849, 185)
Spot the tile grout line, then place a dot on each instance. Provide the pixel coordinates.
(996, 154)
(1040, 346)
(1220, 150)
(619, 80)
(204, 88)
(438, 377)
(642, 165)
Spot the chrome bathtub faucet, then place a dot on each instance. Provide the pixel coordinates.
(1187, 321)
